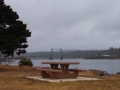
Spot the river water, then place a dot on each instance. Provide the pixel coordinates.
(110, 66)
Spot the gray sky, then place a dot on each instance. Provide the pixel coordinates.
(70, 24)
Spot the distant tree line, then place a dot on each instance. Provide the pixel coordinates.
(114, 51)
(75, 54)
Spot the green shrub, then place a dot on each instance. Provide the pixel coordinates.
(25, 62)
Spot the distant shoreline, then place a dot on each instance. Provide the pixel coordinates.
(102, 57)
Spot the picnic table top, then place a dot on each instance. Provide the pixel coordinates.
(60, 63)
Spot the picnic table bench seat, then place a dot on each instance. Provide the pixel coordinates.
(51, 70)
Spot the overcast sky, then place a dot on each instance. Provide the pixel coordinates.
(70, 24)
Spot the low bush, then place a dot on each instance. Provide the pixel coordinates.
(25, 62)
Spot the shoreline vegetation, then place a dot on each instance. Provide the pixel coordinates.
(14, 78)
(103, 57)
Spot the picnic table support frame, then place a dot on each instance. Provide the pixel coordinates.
(45, 74)
(54, 66)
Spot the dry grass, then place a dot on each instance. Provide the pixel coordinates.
(13, 78)
(87, 73)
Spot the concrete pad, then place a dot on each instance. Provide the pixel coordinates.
(61, 80)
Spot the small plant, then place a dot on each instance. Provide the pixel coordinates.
(25, 62)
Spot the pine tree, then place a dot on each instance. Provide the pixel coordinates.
(13, 32)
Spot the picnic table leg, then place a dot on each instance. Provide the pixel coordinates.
(45, 74)
(54, 66)
(64, 67)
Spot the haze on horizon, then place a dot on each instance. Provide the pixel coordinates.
(70, 24)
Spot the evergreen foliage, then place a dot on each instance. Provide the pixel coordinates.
(25, 62)
(13, 32)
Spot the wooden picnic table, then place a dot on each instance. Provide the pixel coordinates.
(58, 73)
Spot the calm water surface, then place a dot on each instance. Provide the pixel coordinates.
(111, 66)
